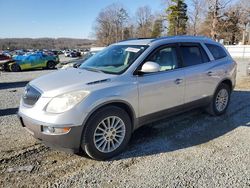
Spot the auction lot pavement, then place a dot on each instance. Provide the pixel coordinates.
(189, 150)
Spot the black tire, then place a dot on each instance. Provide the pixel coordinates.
(88, 143)
(5, 67)
(212, 108)
(15, 67)
(51, 65)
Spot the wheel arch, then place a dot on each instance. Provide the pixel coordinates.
(118, 103)
(9, 64)
(211, 107)
(226, 81)
(50, 60)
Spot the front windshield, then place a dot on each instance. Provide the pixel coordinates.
(114, 59)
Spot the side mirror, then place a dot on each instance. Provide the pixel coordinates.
(150, 67)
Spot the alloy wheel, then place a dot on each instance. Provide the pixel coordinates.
(109, 134)
(221, 100)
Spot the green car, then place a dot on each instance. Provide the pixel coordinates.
(32, 61)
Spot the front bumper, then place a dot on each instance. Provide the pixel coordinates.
(69, 142)
(4, 65)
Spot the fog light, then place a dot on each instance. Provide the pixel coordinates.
(54, 130)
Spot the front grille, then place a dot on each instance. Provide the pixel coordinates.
(31, 95)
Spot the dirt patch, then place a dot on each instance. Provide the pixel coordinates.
(243, 83)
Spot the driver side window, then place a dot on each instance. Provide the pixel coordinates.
(166, 57)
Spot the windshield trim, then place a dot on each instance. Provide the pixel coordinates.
(92, 69)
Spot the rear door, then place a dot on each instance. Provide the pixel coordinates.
(164, 89)
(201, 75)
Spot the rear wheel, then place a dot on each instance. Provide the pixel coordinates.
(51, 64)
(220, 102)
(15, 67)
(107, 133)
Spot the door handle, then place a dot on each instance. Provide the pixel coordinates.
(210, 73)
(178, 81)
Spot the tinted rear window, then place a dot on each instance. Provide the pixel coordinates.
(191, 55)
(217, 51)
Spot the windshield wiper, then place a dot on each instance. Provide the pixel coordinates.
(92, 69)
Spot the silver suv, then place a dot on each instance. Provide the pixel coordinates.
(97, 107)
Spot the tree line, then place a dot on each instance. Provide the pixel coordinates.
(44, 43)
(227, 20)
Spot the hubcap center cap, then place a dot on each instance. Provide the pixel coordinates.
(109, 134)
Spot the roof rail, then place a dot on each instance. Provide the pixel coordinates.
(168, 37)
(136, 39)
(182, 36)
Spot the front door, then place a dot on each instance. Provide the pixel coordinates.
(164, 89)
(36, 60)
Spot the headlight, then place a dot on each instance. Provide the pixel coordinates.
(66, 101)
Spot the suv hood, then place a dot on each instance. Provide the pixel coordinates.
(63, 81)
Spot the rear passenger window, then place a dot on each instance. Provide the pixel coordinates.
(192, 55)
(217, 51)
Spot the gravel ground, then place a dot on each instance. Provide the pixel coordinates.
(188, 150)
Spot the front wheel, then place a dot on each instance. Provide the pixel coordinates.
(107, 133)
(220, 102)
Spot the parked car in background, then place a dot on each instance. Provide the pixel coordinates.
(88, 55)
(67, 53)
(72, 53)
(4, 60)
(4, 57)
(77, 63)
(31, 61)
(75, 54)
(19, 52)
(6, 53)
(97, 107)
(84, 51)
(69, 64)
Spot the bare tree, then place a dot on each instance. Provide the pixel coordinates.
(215, 8)
(229, 27)
(120, 18)
(196, 13)
(103, 28)
(110, 24)
(244, 7)
(144, 20)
